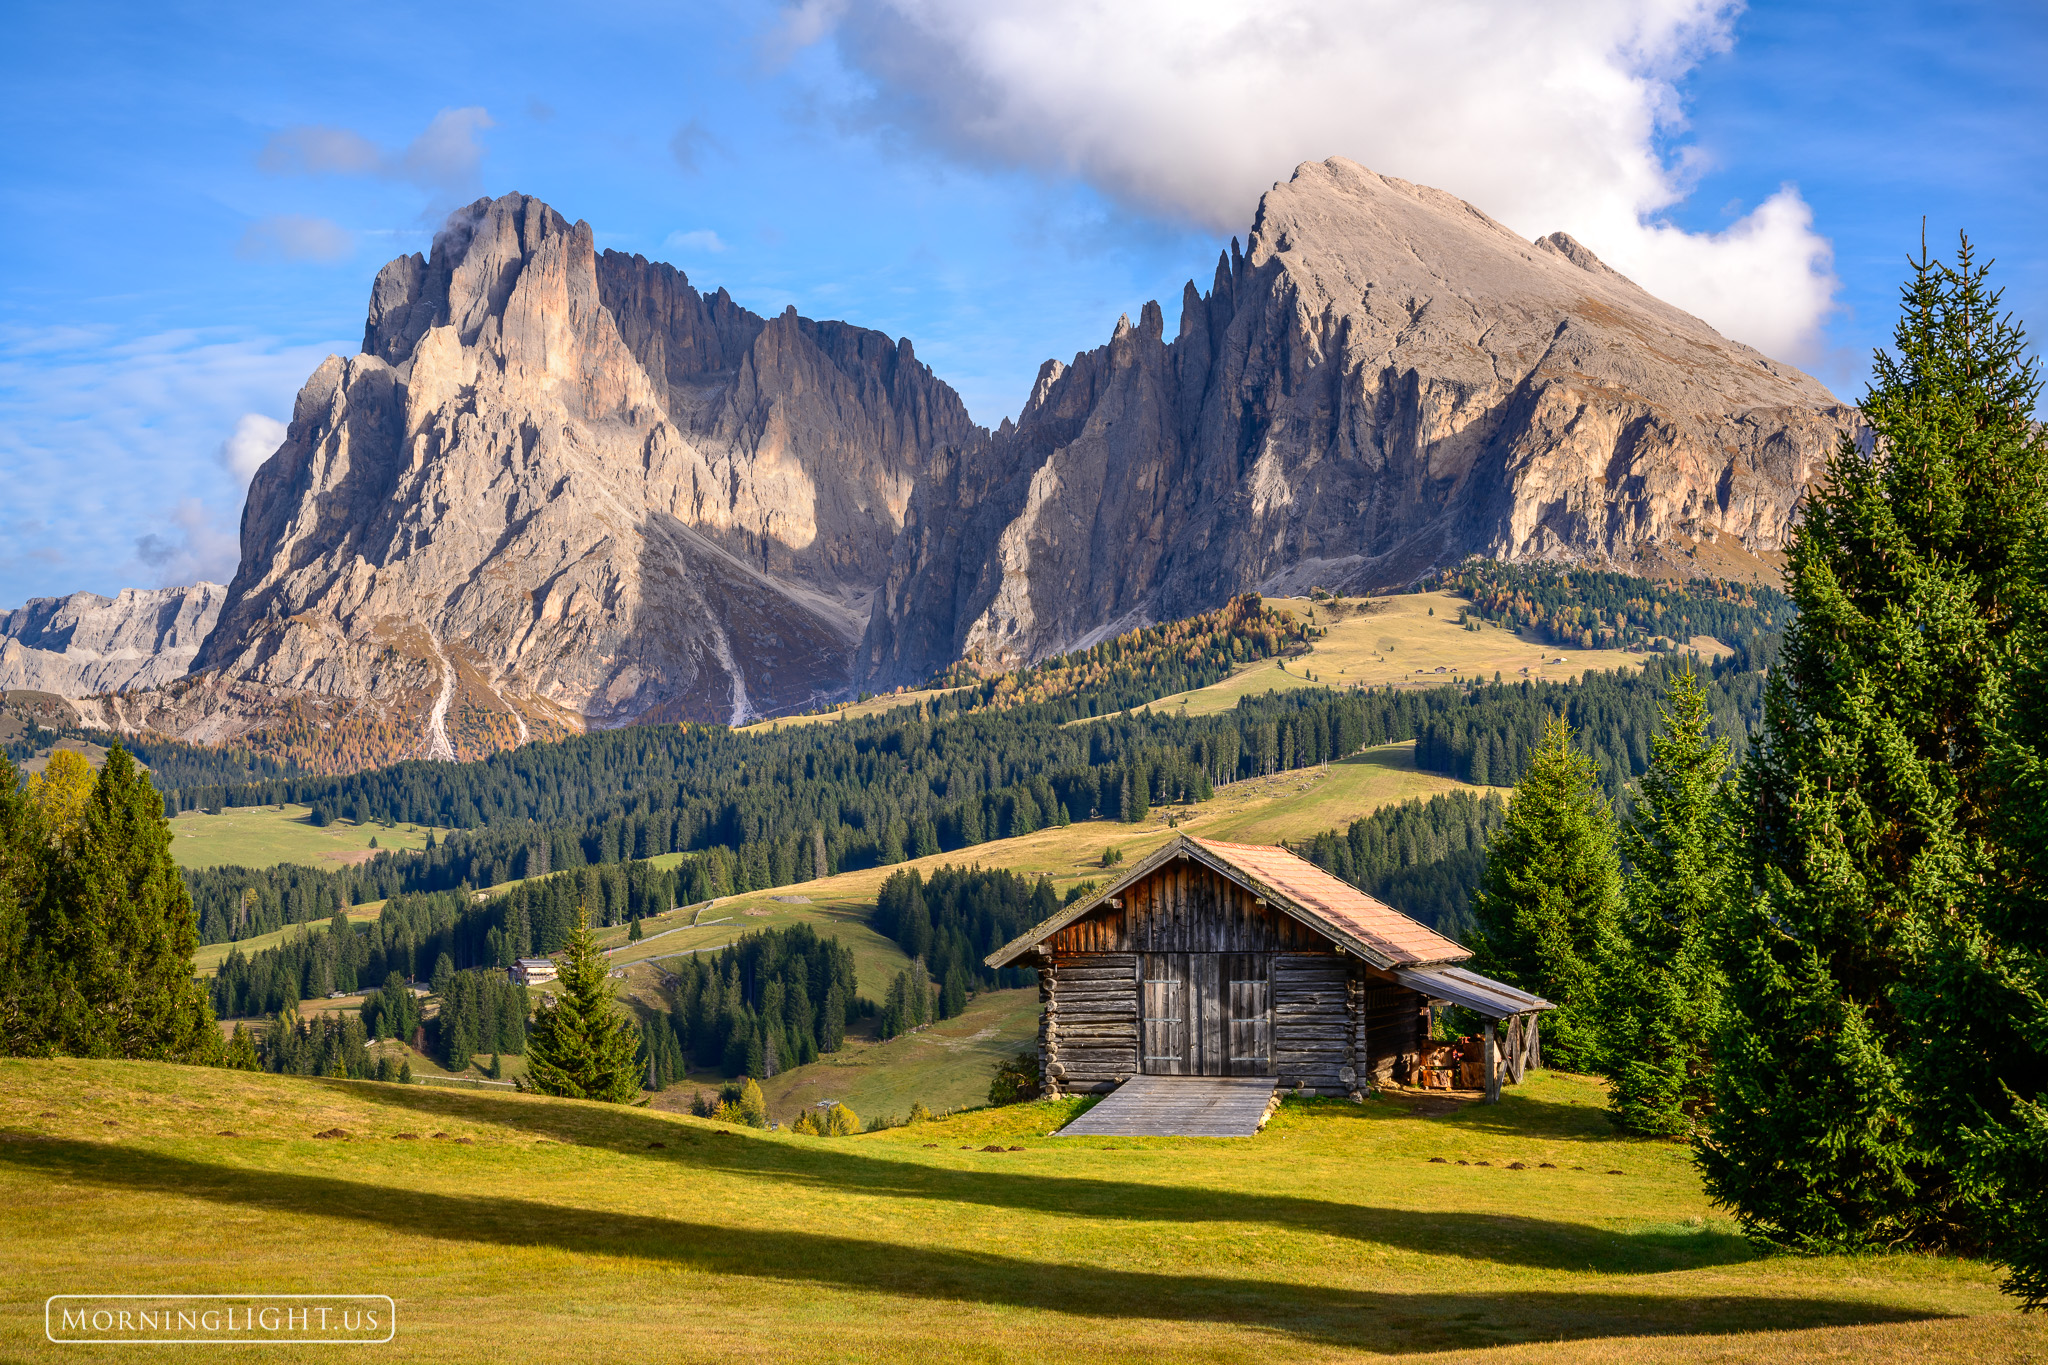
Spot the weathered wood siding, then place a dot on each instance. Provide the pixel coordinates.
(1189, 977)
(1185, 908)
(1088, 1032)
(1311, 998)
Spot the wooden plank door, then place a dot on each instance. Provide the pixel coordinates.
(1163, 1034)
(1247, 985)
(1206, 1000)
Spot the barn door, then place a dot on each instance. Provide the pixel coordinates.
(1248, 992)
(1163, 1041)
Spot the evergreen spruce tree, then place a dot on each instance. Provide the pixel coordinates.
(121, 924)
(1546, 910)
(1978, 1056)
(583, 1046)
(1664, 985)
(26, 995)
(241, 1052)
(1874, 1080)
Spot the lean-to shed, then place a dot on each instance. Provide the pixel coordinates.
(1220, 959)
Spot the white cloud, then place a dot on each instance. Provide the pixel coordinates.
(197, 549)
(1547, 114)
(703, 239)
(255, 439)
(292, 237)
(102, 430)
(444, 159)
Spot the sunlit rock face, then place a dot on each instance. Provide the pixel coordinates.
(570, 488)
(1385, 380)
(559, 488)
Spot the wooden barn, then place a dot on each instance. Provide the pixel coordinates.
(1219, 959)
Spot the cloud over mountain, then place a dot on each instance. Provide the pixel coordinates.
(1550, 115)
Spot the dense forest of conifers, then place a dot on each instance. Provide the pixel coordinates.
(958, 916)
(767, 810)
(1487, 739)
(1138, 666)
(1586, 609)
(775, 999)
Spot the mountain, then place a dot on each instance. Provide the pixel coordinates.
(82, 644)
(1383, 380)
(560, 488)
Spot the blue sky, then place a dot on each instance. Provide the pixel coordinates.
(196, 197)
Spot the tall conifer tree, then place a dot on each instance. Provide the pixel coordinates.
(1977, 1052)
(583, 1046)
(1546, 910)
(1664, 986)
(1847, 1077)
(25, 979)
(117, 927)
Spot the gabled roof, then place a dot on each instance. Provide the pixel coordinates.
(1369, 928)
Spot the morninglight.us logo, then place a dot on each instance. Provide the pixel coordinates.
(220, 1319)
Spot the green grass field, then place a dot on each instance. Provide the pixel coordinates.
(946, 1065)
(568, 1231)
(1400, 641)
(262, 836)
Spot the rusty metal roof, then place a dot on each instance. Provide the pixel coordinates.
(1372, 929)
(1398, 941)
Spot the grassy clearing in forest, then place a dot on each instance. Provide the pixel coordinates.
(263, 836)
(1397, 640)
(568, 1231)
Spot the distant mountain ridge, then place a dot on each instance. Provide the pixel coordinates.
(561, 488)
(83, 644)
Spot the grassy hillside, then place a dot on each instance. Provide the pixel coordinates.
(567, 1231)
(262, 836)
(946, 1065)
(1397, 640)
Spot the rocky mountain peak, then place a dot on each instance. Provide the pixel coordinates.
(561, 487)
(1381, 380)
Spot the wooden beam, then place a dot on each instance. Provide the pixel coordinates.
(1492, 1064)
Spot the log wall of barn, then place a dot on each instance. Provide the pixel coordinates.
(1088, 1028)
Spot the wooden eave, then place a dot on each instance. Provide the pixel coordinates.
(1183, 846)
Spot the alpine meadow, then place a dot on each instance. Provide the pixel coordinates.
(691, 795)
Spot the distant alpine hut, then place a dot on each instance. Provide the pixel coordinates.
(1220, 959)
(531, 971)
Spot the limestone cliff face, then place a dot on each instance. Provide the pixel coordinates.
(82, 644)
(1384, 381)
(560, 488)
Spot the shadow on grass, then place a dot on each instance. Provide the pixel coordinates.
(858, 1168)
(1386, 1323)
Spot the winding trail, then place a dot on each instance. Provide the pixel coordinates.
(437, 719)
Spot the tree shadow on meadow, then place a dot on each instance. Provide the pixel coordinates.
(867, 1169)
(1380, 1322)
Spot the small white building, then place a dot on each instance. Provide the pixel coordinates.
(531, 971)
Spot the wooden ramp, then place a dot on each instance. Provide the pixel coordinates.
(1178, 1106)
